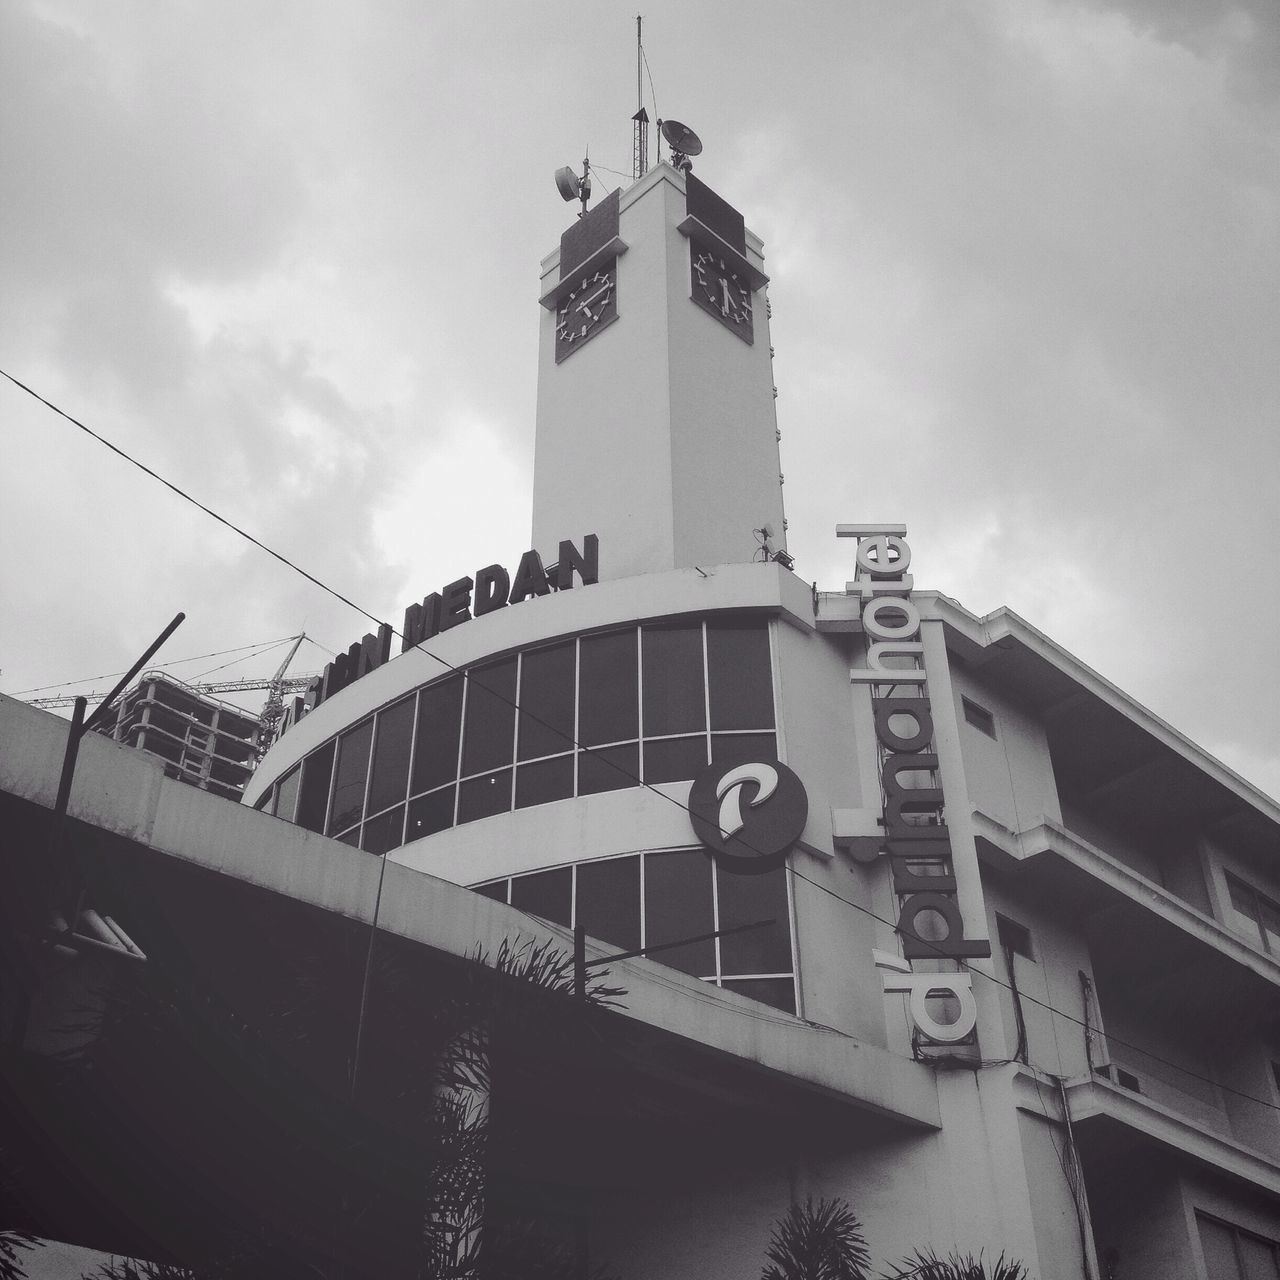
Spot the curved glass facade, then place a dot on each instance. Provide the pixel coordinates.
(644, 704)
(651, 899)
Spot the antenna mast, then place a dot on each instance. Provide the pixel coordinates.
(640, 147)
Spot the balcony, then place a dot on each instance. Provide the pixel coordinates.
(1119, 1130)
(1143, 939)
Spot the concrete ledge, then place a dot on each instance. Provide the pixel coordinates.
(1051, 840)
(1095, 1102)
(123, 791)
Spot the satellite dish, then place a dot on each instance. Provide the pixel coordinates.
(567, 183)
(681, 138)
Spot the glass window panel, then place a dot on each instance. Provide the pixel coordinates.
(608, 901)
(430, 813)
(1270, 914)
(351, 837)
(674, 759)
(544, 893)
(741, 748)
(497, 890)
(677, 904)
(488, 739)
(1219, 1250)
(674, 701)
(740, 680)
(313, 794)
(350, 777)
(435, 752)
(744, 900)
(1241, 895)
(384, 832)
(263, 800)
(546, 701)
(607, 688)
(608, 769)
(287, 795)
(389, 782)
(484, 796)
(1258, 1256)
(544, 781)
(779, 992)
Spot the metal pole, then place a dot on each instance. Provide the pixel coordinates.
(69, 756)
(105, 705)
(580, 961)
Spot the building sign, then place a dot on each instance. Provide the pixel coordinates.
(748, 815)
(491, 588)
(915, 833)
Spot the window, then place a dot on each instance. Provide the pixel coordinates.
(979, 717)
(350, 778)
(1014, 937)
(653, 702)
(650, 899)
(391, 748)
(1254, 914)
(313, 793)
(1233, 1254)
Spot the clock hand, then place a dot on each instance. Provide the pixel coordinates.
(585, 305)
(724, 288)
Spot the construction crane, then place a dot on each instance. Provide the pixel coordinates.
(276, 685)
(289, 684)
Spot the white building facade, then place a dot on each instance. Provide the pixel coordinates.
(1027, 937)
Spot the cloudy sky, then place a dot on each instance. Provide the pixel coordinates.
(1024, 276)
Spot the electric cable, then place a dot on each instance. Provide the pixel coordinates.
(175, 662)
(168, 484)
(569, 738)
(617, 173)
(224, 665)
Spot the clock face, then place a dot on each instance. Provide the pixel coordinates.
(718, 287)
(591, 305)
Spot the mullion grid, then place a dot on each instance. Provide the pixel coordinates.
(719, 977)
(1256, 900)
(573, 748)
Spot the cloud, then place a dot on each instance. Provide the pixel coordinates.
(1024, 281)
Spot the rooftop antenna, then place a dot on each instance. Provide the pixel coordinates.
(572, 187)
(640, 148)
(683, 142)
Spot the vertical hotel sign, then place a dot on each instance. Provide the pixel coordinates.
(915, 833)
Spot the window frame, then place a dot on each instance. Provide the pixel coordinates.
(718, 977)
(1256, 899)
(708, 734)
(981, 718)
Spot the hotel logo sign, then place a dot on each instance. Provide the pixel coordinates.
(748, 815)
(915, 833)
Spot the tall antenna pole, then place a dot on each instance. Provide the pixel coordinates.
(640, 147)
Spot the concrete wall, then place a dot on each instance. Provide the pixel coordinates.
(1010, 778)
(1055, 1044)
(966, 1187)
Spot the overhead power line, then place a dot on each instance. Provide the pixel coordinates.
(176, 662)
(569, 738)
(186, 497)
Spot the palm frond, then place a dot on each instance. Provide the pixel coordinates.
(11, 1241)
(817, 1242)
(926, 1264)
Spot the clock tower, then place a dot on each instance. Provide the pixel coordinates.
(655, 421)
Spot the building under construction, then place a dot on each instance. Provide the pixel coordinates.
(202, 740)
